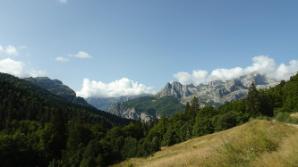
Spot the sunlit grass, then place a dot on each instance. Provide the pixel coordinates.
(257, 143)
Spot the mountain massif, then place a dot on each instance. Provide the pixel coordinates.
(166, 102)
(174, 95)
(216, 92)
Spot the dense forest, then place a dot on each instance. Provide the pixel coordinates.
(38, 128)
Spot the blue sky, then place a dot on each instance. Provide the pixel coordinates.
(145, 41)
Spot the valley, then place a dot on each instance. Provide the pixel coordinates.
(148, 83)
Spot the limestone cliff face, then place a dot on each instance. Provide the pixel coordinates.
(131, 113)
(177, 90)
(216, 92)
(212, 93)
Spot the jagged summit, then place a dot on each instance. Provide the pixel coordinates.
(176, 89)
(217, 91)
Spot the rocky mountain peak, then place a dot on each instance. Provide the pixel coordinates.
(175, 89)
(216, 92)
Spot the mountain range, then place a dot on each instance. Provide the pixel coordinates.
(167, 101)
(176, 95)
(216, 92)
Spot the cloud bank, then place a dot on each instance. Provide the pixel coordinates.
(10, 66)
(18, 68)
(260, 64)
(122, 87)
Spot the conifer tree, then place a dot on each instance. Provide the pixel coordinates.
(253, 102)
(187, 107)
(195, 104)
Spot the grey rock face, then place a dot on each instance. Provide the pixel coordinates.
(216, 92)
(131, 113)
(177, 90)
(115, 105)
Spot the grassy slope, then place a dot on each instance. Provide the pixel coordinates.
(257, 143)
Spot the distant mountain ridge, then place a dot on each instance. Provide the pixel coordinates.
(216, 92)
(147, 108)
(30, 101)
(166, 102)
(107, 103)
(57, 87)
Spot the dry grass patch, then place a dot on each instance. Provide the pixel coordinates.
(294, 115)
(257, 143)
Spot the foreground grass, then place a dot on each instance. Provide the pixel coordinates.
(257, 143)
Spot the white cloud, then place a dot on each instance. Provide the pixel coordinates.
(284, 71)
(8, 50)
(61, 59)
(82, 55)
(260, 64)
(18, 68)
(226, 74)
(10, 66)
(122, 87)
(196, 77)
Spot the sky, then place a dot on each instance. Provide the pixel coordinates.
(129, 47)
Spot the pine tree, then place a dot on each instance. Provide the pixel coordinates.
(187, 107)
(253, 102)
(59, 133)
(195, 104)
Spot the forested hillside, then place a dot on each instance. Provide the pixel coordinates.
(38, 128)
(58, 88)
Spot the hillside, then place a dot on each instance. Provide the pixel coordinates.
(58, 88)
(38, 128)
(256, 143)
(21, 100)
(148, 108)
